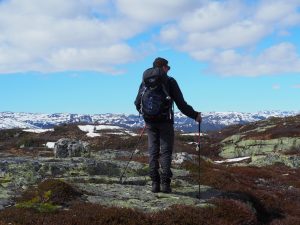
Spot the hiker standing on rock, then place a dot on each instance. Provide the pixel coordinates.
(154, 101)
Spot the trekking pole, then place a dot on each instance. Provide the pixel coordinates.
(198, 149)
(133, 152)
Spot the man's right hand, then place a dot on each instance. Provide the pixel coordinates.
(199, 118)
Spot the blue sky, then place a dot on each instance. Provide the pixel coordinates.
(81, 56)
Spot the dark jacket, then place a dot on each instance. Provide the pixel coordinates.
(177, 97)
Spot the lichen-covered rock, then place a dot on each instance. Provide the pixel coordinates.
(292, 161)
(140, 197)
(182, 157)
(99, 177)
(236, 146)
(66, 147)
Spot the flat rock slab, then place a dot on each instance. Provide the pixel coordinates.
(141, 198)
(98, 176)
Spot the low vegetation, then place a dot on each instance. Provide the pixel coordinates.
(273, 191)
(250, 195)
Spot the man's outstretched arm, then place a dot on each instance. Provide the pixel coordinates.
(182, 105)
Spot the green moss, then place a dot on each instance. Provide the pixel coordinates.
(42, 207)
(40, 203)
(5, 180)
(48, 196)
(143, 171)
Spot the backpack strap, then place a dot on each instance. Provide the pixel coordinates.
(167, 81)
(142, 94)
(165, 91)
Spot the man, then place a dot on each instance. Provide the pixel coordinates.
(160, 128)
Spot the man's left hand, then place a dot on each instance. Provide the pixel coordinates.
(199, 118)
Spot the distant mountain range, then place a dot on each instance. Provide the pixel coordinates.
(211, 120)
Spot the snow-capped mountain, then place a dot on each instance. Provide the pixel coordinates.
(211, 120)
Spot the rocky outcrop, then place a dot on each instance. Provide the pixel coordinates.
(181, 157)
(266, 143)
(98, 176)
(292, 161)
(276, 135)
(239, 146)
(66, 147)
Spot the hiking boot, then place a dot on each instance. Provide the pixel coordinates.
(155, 187)
(166, 188)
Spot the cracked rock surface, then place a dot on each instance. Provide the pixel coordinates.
(98, 177)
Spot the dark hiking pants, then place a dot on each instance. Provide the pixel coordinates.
(160, 147)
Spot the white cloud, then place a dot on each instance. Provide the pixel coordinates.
(54, 35)
(224, 34)
(156, 11)
(97, 59)
(279, 59)
(233, 36)
(211, 16)
(274, 11)
(57, 35)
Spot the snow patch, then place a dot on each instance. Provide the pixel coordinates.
(93, 135)
(108, 127)
(91, 129)
(193, 134)
(130, 133)
(38, 130)
(233, 160)
(50, 144)
(87, 128)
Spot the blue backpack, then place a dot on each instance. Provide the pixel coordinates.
(156, 103)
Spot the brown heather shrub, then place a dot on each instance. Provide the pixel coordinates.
(61, 191)
(177, 214)
(225, 212)
(289, 220)
(90, 214)
(117, 142)
(275, 189)
(67, 130)
(233, 212)
(295, 150)
(210, 144)
(10, 134)
(3, 223)
(57, 192)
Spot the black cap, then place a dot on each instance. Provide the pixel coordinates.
(160, 62)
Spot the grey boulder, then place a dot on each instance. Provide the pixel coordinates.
(66, 147)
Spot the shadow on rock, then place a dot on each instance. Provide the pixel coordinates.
(204, 195)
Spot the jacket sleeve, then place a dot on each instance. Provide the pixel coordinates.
(137, 101)
(182, 105)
